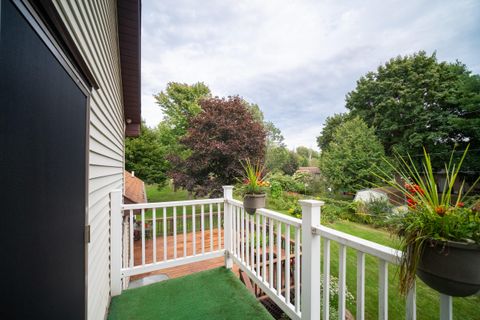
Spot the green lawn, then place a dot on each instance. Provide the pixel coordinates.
(212, 294)
(166, 193)
(427, 299)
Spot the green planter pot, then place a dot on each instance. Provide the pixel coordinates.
(252, 202)
(452, 268)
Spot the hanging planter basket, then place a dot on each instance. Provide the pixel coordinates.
(252, 202)
(451, 268)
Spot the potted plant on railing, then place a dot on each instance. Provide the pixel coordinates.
(440, 237)
(254, 186)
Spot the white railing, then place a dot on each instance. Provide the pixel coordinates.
(165, 234)
(262, 247)
(280, 254)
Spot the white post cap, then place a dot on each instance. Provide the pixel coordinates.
(311, 203)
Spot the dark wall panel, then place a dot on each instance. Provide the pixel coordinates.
(43, 178)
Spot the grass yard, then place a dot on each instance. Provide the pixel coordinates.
(212, 294)
(166, 193)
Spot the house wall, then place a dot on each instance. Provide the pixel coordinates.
(93, 26)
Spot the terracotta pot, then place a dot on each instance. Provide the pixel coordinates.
(451, 267)
(252, 202)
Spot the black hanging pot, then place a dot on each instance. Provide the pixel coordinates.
(252, 202)
(452, 268)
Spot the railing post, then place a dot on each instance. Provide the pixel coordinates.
(227, 228)
(310, 298)
(446, 309)
(115, 242)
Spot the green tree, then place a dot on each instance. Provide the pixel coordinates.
(146, 155)
(352, 156)
(179, 103)
(331, 124)
(274, 135)
(308, 156)
(415, 101)
(280, 159)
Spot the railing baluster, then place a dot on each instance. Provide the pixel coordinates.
(131, 239)
(174, 232)
(279, 258)
(165, 234)
(194, 237)
(239, 253)
(383, 290)
(234, 229)
(411, 309)
(360, 285)
(342, 270)
(252, 243)
(242, 237)
(211, 226)
(446, 309)
(271, 243)
(264, 248)
(297, 270)
(257, 237)
(287, 264)
(184, 231)
(219, 228)
(143, 237)
(154, 234)
(202, 227)
(326, 279)
(247, 240)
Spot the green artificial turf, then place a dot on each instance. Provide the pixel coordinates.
(212, 294)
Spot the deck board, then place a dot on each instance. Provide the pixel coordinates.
(186, 269)
(183, 270)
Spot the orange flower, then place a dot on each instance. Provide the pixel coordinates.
(440, 210)
(460, 204)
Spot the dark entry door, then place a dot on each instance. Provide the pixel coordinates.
(43, 117)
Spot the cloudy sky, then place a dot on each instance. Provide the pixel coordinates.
(295, 59)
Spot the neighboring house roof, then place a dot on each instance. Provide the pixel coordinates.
(311, 170)
(134, 188)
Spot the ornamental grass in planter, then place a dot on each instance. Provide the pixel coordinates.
(440, 237)
(254, 186)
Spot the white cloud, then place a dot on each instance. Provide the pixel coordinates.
(296, 59)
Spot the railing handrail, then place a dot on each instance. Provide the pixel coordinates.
(272, 214)
(388, 254)
(166, 204)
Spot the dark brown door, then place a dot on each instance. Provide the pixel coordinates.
(43, 120)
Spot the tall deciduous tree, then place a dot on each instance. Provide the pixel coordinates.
(416, 101)
(179, 103)
(146, 155)
(352, 156)
(308, 156)
(280, 159)
(331, 124)
(224, 133)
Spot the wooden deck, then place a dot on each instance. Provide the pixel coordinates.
(186, 269)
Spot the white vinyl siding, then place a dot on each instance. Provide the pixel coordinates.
(93, 26)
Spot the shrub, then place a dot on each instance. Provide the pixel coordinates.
(276, 189)
(287, 182)
(375, 212)
(338, 209)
